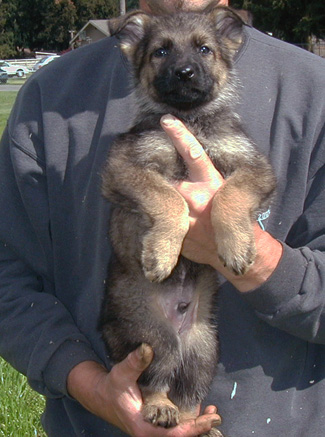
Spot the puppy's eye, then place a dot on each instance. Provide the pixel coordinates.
(205, 50)
(161, 52)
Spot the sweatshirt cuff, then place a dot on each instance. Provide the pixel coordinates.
(69, 354)
(282, 286)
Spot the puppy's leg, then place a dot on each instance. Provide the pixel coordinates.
(162, 242)
(233, 228)
(157, 408)
(163, 211)
(233, 213)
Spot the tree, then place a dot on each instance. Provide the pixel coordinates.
(45, 24)
(61, 18)
(295, 21)
(30, 19)
(7, 30)
(132, 4)
(94, 9)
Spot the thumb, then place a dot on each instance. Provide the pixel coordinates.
(197, 161)
(136, 362)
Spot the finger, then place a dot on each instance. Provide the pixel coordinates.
(135, 363)
(210, 409)
(198, 195)
(195, 427)
(199, 164)
(207, 421)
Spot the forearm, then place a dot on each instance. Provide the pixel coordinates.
(38, 336)
(83, 384)
(285, 286)
(292, 299)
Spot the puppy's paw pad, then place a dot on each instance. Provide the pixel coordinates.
(161, 415)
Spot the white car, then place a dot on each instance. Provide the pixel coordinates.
(44, 61)
(14, 69)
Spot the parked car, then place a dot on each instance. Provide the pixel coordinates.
(3, 76)
(44, 61)
(14, 69)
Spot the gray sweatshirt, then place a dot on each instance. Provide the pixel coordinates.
(54, 248)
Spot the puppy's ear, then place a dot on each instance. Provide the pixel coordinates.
(229, 25)
(129, 30)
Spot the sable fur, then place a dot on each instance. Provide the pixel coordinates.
(182, 64)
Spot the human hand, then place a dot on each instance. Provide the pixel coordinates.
(116, 398)
(203, 182)
(198, 191)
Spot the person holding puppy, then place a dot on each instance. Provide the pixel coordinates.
(54, 249)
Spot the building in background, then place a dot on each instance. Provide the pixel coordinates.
(93, 31)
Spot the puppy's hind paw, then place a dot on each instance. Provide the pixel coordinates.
(162, 415)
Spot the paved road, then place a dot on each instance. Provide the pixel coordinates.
(5, 87)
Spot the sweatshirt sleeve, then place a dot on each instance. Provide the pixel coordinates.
(293, 299)
(38, 335)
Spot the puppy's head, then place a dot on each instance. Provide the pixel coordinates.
(181, 61)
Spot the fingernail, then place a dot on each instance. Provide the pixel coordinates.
(168, 119)
(145, 354)
(196, 151)
(215, 422)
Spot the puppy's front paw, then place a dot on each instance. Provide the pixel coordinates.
(161, 246)
(163, 414)
(159, 259)
(237, 252)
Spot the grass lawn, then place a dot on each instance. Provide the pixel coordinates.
(17, 80)
(20, 407)
(7, 99)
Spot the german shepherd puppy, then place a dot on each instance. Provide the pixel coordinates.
(182, 64)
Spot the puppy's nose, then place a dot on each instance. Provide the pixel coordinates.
(184, 73)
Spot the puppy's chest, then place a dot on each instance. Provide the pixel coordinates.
(154, 151)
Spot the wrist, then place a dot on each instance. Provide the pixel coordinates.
(83, 381)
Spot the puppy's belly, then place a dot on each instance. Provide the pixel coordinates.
(179, 304)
